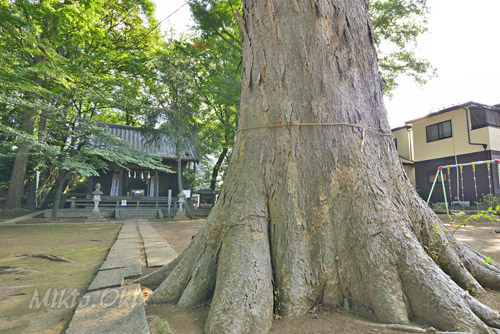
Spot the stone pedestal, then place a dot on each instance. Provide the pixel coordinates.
(95, 217)
(97, 199)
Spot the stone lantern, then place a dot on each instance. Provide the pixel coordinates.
(180, 215)
(95, 215)
(97, 197)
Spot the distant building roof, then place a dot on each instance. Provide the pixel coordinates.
(400, 128)
(163, 147)
(464, 105)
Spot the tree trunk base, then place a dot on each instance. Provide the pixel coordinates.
(395, 276)
(316, 207)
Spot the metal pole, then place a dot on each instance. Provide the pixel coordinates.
(434, 183)
(444, 191)
(471, 163)
(38, 181)
(498, 166)
(169, 201)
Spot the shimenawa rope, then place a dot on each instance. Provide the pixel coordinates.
(315, 124)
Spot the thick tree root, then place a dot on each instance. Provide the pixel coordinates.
(48, 257)
(201, 283)
(486, 274)
(453, 264)
(243, 298)
(154, 279)
(486, 314)
(229, 263)
(243, 301)
(172, 287)
(189, 257)
(435, 298)
(413, 329)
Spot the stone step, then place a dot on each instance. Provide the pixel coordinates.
(159, 256)
(107, 279)
(158, 250)
(131, 213)
(133, 265)
(118, 310)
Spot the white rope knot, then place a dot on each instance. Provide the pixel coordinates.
(363, 139)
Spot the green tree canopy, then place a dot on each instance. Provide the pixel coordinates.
(396, 23)
(66, 65)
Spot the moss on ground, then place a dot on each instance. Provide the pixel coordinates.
(84, 244)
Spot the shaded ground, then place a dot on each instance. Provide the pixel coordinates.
(6, 215)
(479, 235)
(21, 277)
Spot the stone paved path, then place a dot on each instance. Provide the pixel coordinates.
(123, 260)
(118, 310)
(158, 250)
(109, 307)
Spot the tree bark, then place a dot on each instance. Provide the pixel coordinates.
(316, 207)
(59, 189)
(216, 169)
(179, 175)
(15, 192)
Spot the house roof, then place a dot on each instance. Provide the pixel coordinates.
(406, 161)
(163, 148)
(459, 106)
(400, 128)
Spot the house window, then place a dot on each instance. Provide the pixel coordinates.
(438, 131)
(432, 176)
(396, 143)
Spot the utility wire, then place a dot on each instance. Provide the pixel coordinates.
(135, 44)
(152, 29)
(175, 11)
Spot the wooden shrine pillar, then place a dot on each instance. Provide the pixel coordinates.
(120, 183)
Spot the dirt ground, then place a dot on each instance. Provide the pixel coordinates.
(483, 236)
(87, 244)
(479, 235)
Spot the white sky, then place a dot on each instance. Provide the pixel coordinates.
(463, 43)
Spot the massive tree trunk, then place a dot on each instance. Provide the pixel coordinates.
(316, 207)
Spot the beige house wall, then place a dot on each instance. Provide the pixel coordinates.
(405, 150)
(410, 172)
(494, 138)
(458, 144)
(403, 136)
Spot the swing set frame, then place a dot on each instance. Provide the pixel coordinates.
(473, 164)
